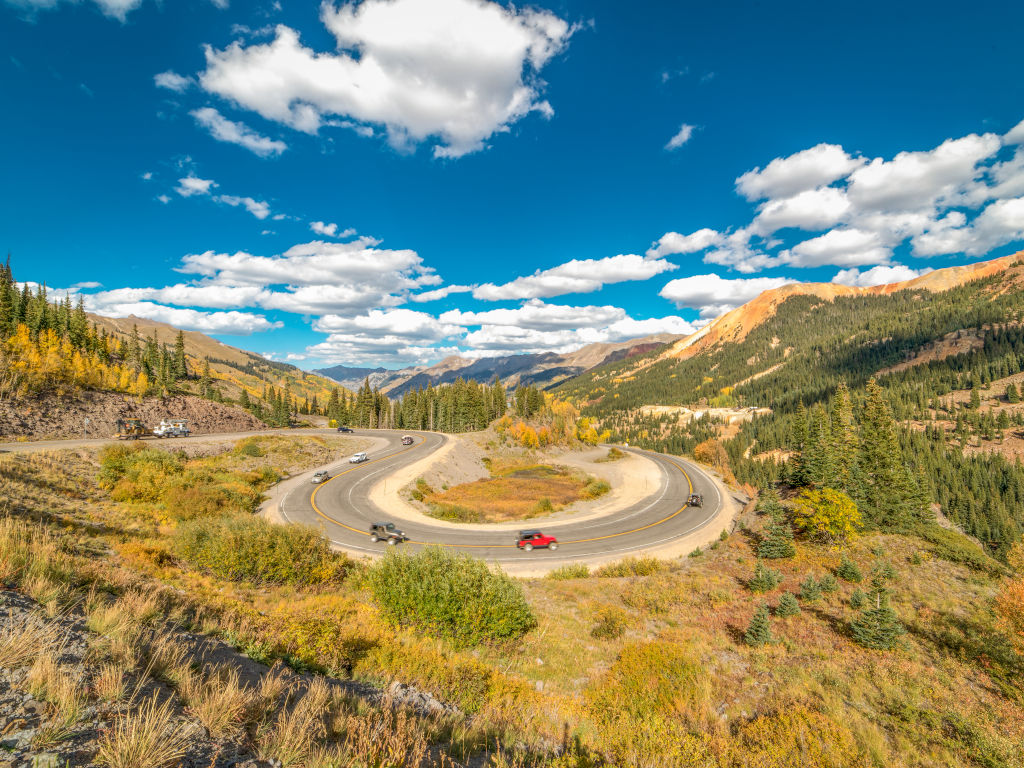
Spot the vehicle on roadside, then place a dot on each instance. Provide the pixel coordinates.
(407, 440)
(172, 428)
(358, 458)
(320, 477)
(344, 429)
(530, 540)
(386, 532)
(695, 500)
(131, 429)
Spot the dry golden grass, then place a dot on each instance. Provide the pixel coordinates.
(216, 699)
(293, 735)
(111, 684)
(518, 492)
(146, 737)
(57, 684)
(23, 640)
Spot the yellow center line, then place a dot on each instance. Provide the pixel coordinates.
(312, 501)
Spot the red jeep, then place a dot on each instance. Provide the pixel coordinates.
(529, 539)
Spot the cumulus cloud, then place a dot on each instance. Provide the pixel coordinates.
(172, 81)
(439, 293)
(232, 323)
(673, 242)
(684, 135)
(116, 9)
(788, 176)
(576, 276)
(231, 132)
(538, 315)
(257, 208)
(880, 275)
(452, 71)
(406, 323)
(193, 185)
(330, 230)
(918, 180)
(1015, 135)
(714, 295)
(842, 247)
(814, 209)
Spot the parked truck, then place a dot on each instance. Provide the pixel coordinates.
(131, 429)
(172, 428)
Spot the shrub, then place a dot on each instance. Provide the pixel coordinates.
(452, 595)
(858, 598)
(828, 584)
(827, 515)
(810, 589)
(569, 571)
(764, 579)
(631, 566)
(595, 488)
(884, 569)
(956, 548)
(788, 605)
(614, 454)
(250, 446)
(251, 549)
(760, 630)
(611, 623)
(848, 571)
(543, 507)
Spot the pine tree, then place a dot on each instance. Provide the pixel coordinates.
(844, 441)
(828, 584)
(858, 598)
(243, 399)
(810, 589)
(778, 543)
(848, 571)
(764, 579)
(788, 605)
(1012, 393)
(878, 626)
(760, 630)
(180, 366)
(205, 379)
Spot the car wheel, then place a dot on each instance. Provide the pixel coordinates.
(553, 546)
(373, 539)
(528, 547)
(391, 542)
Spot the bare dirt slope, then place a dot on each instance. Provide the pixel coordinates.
(54, 418)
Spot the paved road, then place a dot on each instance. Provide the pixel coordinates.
(342, 509)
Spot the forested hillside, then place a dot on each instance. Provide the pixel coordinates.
(50, 347)
(948, 363)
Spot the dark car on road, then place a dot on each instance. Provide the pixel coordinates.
(386, 532)
(529, 540)
(695, 500)
(407, 440)
(344, 429)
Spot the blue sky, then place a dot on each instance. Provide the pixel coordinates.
(391, 181)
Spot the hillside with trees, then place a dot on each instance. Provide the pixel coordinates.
(52, 349)
(954, 413)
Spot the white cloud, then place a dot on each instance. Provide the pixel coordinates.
(440, 293)
(880, 275)
(233, 323)
(117, 9)
(454, 71)
(673, 242)
(231, 132)
(714, 295)
(193, 185)
(538, 315)
(405, 323)
(163, 199)
(684, 135)
(914, 181)
(1015, 135)
(736, 252)
(576, 276)
(330, 230)
(172, 81)
(841, 247)
(257, 208)
(814, 209)
(788, 176)
(147, 176)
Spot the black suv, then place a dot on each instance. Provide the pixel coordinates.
(695, 500)
(386, 532)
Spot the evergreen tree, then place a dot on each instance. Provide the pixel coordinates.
(764, 579)
(180, 364)
(844, 441)
(778, 543)
(828, 584)
(788, 605)
(810, 589)
(878, 626)
(858, 598)
(1012, 393)
(760, 630)
(848, 571)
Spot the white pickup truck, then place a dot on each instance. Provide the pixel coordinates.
(172, 428)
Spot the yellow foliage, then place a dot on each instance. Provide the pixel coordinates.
(827, 514)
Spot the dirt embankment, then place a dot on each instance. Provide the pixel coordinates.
(56, 418)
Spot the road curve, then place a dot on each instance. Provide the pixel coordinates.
(342, 509)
